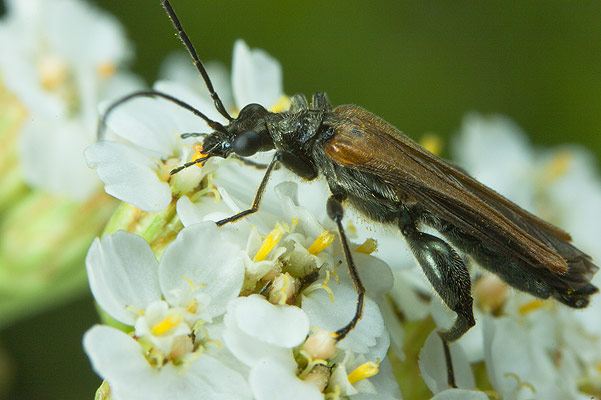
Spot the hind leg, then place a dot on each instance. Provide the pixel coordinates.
(449, 276)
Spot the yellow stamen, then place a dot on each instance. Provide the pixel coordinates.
(325, 286)
(282, 104)
(324, 239)
(170, 322)
(558, 165)
(198, 154)
(192, 306)
(280, 296)
(53, 72)
(531, 306)
(333, 394)
(368, 247)
(269, 243)
(135, 310)
(106, 69)
(364, 371)
(520, 382)
(432, 143)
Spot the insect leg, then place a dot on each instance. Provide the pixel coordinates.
(449, 276)
(336, 212)
(258, 196)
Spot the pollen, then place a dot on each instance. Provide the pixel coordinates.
(198, 154)
(192, 306)
(168, 323)
(269, 243)
(325, 286)
(531, 306)
(558, 165)
(282, 104)
(106, 69)
(364, 371)
(432, 143)
(367, 247)
(52, 72)
(324, 239)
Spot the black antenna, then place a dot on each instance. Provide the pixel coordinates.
(190, 47)
(153, 93)
(188, 164)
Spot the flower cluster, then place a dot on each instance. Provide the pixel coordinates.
(59, 58)
(527, 347)
(248, 310)
(69, 56)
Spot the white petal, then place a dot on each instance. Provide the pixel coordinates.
(500, 139)
(471, 342)
(375, 275)
(292, 208)
(246, 348)
(214, 380)
(205, 255)
(507, 354)
(178, 67)
(256, 76)
(205, 104)
(385, 384)
(460, 394)
(275, 379)
(103, 38)
(51, 155)
(147, 123)
(204, 209)
(433, 366)
(369, 336)
(129, 175)
(284, 326)
(122, 271)
(118, 358)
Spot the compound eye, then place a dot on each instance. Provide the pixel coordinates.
(247, 143)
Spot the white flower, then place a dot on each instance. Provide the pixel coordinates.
(537, 348)
(256, 78)
(173, 306)
(289, 248)
(433, 366)
(67, 58)
(136, 170)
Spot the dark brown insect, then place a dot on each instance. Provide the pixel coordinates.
(391, 179)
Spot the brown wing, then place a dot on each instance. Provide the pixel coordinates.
(365, 142)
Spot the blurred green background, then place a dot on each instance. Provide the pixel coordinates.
(419, 64)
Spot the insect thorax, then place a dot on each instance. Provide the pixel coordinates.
(293, 132)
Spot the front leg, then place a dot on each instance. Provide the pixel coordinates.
(336, 212)
(258, 196)
(448, 275)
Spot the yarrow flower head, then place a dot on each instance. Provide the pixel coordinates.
(175, 348)
(136, 169)
(58, 59)
(69, 56)
(277, 330)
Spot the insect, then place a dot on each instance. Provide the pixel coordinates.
(373, 167)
